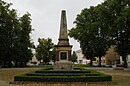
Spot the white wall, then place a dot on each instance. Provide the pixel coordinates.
(81, 57)
(128, 60)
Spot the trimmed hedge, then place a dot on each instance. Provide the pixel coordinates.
(101, 78)
(48, 75)
(62, 74)
(63, 71)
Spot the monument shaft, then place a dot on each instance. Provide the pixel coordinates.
(63, 49)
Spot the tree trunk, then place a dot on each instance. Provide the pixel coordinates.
(100, 61)
(21, 64)
(16, 64)
(24, 64)
(4, 63)
(10, 64)
(91, 61)
(125, 61)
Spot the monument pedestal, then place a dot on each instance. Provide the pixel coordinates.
(63, 65)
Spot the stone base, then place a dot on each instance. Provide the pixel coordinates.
(63, 66)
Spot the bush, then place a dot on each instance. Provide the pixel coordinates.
(48, 75)
(81, 65)
(64, 71)
(62, 74)
(101, 78)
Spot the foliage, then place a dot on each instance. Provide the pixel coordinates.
(64, 76)
(90, 34)
(45, 50)
(14, 31)
(63, 71)
(6, 31)
(24, 45)
(61, 74)
(119, 12)
(99, 27)
(74, 57)
(81, 65)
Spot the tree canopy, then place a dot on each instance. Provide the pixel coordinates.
(99, 27)
(90, 34)
(45, 50)
(15, 41)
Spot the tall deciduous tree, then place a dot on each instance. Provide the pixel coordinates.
(90, 34)
(44, 50)
(15, 46)
(100, 26)
(9, 26)
(24, 41)
(120, 29)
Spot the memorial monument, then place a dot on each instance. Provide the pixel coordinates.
(63, 48)
(63, 70)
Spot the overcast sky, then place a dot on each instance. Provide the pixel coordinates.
(45, 15)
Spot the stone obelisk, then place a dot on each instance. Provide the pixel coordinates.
(63, 48)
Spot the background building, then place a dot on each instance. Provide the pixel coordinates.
(128, 60)
(111, 57)
(81, 58)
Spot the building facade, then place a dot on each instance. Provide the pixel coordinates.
(128, 60)
(111, 57)
(81, 58)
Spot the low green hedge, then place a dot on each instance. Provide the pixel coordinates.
(101, 78)
(62, 74)
(64, 71)
(82, 65)
(77, 75)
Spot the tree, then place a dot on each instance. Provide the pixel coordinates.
(8, 32)
(119, 17)
(15, 45)
(44, 50)
(122, 24)
(24, 52)
(90, 34)
(74, 57)
(104, 25)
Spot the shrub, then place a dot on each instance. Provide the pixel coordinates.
(101, 78)
(71, 71)
(48, 75)
(62, 74)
